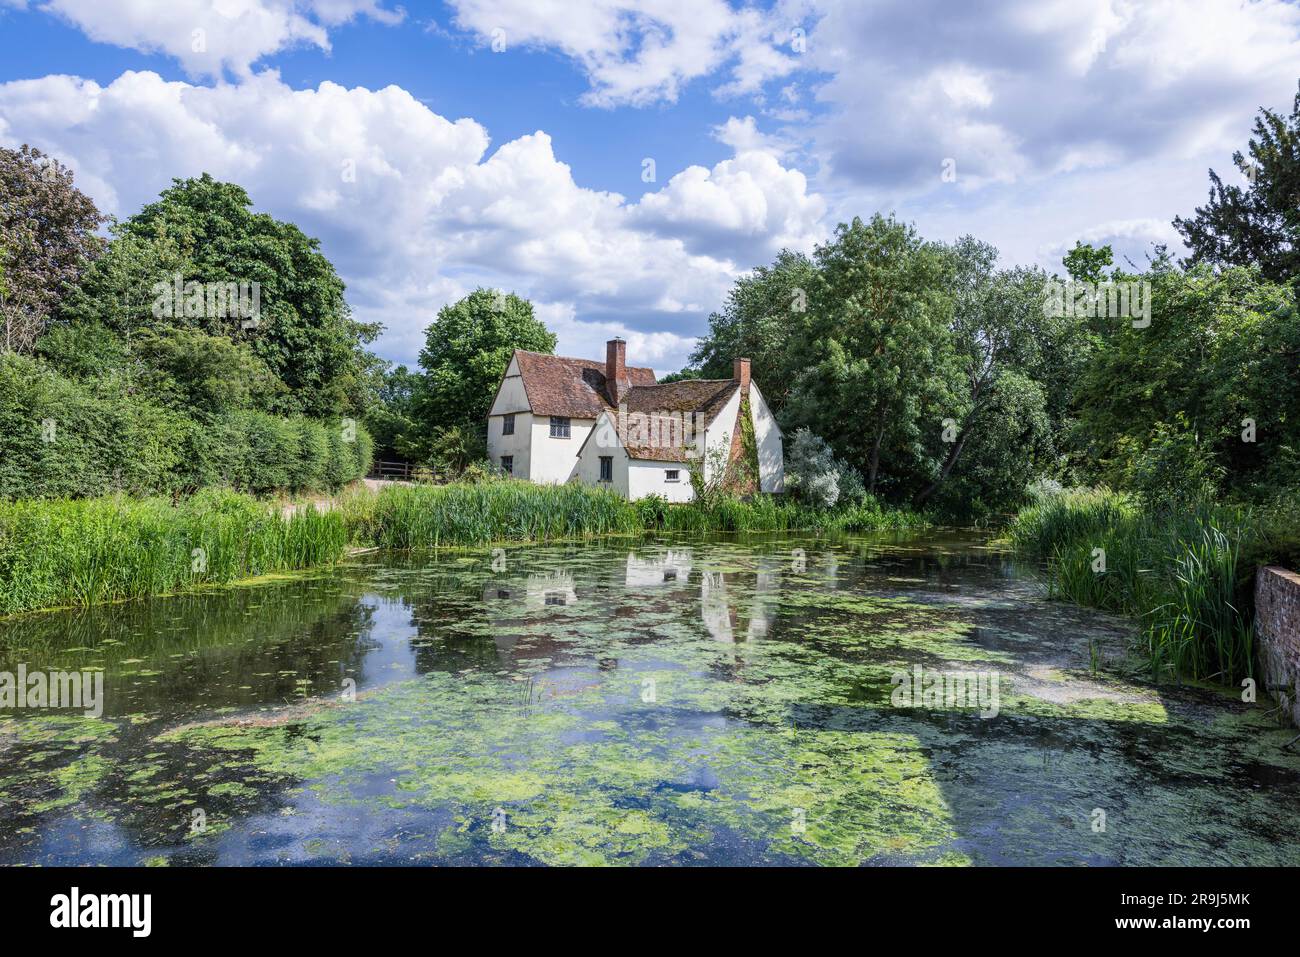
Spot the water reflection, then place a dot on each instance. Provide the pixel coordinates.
(595, 686)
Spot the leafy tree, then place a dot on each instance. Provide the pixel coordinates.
(1258, 223)
(1177, 469)
(47, 237)
(682, 376)
(765, 312)
(877, 360)
(391, 419)
(207, 232)
(467, 349)
(1010, 449)
(1005, 339)
(202, 375)
(1216, 369)
(1088, 263)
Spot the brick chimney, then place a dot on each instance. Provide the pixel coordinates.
(740, 372)
(616, 380)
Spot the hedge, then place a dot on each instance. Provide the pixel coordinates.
(60, 438)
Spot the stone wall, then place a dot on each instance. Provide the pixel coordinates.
(1277, 636)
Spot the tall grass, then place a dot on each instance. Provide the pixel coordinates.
(1185, 574)
(421, 516)
(767, 514)
(511, 510)
(80, 552)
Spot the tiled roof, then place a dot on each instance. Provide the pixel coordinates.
(557, 385)
(703, 397)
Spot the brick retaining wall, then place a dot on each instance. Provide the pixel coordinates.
(1277, 636)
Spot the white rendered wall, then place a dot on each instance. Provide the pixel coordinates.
(649, 478)
(767, 436)
(555, 461)
(717, 437)
(517, 445)
(588, 467)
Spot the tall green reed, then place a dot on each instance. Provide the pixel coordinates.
(79, 552)
(1184, 573)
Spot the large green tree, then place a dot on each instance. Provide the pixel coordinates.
(206, 232)
(1256, 222)
(47, 238)
(467, 348)
(1211, 383)
(391, 419)
(877, 367)
(765, 313)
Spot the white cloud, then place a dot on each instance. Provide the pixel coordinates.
(1015, 91)
(414, 208)
(643, 52)
(209, 37)
(750, 203)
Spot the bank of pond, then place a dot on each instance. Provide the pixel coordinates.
(1184, 576)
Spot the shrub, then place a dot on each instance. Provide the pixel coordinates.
(64, 438)
(812, 473)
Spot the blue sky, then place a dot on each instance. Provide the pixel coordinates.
(429, 162)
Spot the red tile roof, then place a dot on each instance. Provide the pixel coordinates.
(704, 398)
(557, 385)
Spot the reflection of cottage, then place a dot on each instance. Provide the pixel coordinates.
(720, 610)
(549, 589)
(556, 419)
(672, 568)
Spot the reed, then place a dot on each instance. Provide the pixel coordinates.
(80, 552)
(418, 516)
(1185, 574)
(68, 552)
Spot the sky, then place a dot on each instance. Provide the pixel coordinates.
(622, 164)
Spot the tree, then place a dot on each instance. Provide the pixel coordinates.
(1088, 263)
(205, 231)
(203, 375)
(1213, 380)
(811, 471)
(1258, 224)
(1010, 448)
(1004, 339)
(765, 312)
(47, 237)
(391, 418)
(466, 352)
(877, 360)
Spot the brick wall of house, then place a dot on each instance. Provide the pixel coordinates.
(1277, 636)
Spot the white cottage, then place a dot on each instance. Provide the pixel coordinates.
(557, 419)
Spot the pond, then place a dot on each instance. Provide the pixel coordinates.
(633, 702)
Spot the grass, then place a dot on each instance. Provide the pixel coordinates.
(421, 516)
(1185, 574)
(424, 516)
(56, 553)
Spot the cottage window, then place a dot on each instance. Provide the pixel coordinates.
(672, 475)
(508, 424)
(508, 464)
(559, 426)
(607, 468)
